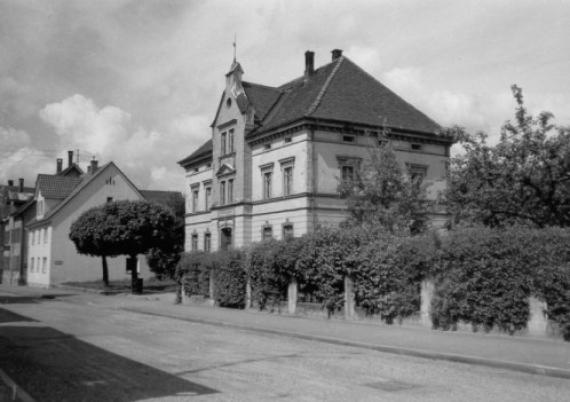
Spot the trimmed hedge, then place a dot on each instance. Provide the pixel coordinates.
(482, 276)
(229, 279)
(390, 273)
(271, 265)
(195, 268)
(485, 276)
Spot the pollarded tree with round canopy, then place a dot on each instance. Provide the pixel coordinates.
(123, 228)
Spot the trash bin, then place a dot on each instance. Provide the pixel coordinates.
(137, 286)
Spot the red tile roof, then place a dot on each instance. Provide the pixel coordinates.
(205, 150)
(343, 91)
(56, 186)
(339, 91)
(158, 196)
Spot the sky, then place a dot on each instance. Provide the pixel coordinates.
(137, 82)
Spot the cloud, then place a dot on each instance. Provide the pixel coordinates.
(17, 157)
(108, 133)
(474, 111)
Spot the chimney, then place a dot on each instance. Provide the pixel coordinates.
(93, 167)
(309, 63)
(21, 182)
(336, 54)
(10, 183)
(59, 165)
(69, 158)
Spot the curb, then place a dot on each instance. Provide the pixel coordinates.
(501, 364)
(17, 391)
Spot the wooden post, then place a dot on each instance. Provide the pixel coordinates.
(292, 297)
(348, 298)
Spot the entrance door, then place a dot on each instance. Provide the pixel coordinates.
(226, 238)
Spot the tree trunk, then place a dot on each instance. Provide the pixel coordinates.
(105, 271)
(132, 266)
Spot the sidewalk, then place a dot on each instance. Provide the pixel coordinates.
(532, 355)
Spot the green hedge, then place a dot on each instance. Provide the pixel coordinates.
(271, 265)
(390, 272)
(229, 278)
(195, 268)
(482, 276)
(485, 276)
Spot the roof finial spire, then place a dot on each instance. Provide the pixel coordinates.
(235, 46)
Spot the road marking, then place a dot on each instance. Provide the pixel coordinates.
(17, 391)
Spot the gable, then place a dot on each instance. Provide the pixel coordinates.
(225, 169)
(91, 192)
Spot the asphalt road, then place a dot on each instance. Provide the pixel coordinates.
(77, 349)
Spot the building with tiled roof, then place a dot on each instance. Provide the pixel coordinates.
(272, 165)
(60, 199)
(12, 199)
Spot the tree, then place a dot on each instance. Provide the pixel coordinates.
(380, 194)
(525, 178)
(123, 228)
(86, 233)
(163, 261)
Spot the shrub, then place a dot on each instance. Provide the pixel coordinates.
(552, 284)
(229, 278)
(485, 276)
(195, 268)
(271, 265)
(389, 275)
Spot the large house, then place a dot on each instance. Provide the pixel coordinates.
(60, 199)
(15, 204)
(276, 154)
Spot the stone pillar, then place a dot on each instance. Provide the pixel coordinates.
(211, 284)
(537, 323)
(348, 298)
(247, 294)
(292, 297)
(427, 289)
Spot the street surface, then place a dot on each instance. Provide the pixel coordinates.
(85, 348)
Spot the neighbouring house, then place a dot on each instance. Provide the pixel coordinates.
(14, 201)
(272, 166)
(60, 199)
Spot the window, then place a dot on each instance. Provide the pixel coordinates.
(194, 244)
(288, 140)
(207, 241)
(46, 236)
(44, 265)
(416, 147)
(32, 264)
(231, 141)
(109, 199)
(267, 184)
(223, 145)
(348, 138)
(347, 173)
(288, 231)
(417, 173)
(195, 194)
(267, 146)
(41, 236)
(208, 197)
(230, 196)
(267, 232)
(287, 180)
(222, 193)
